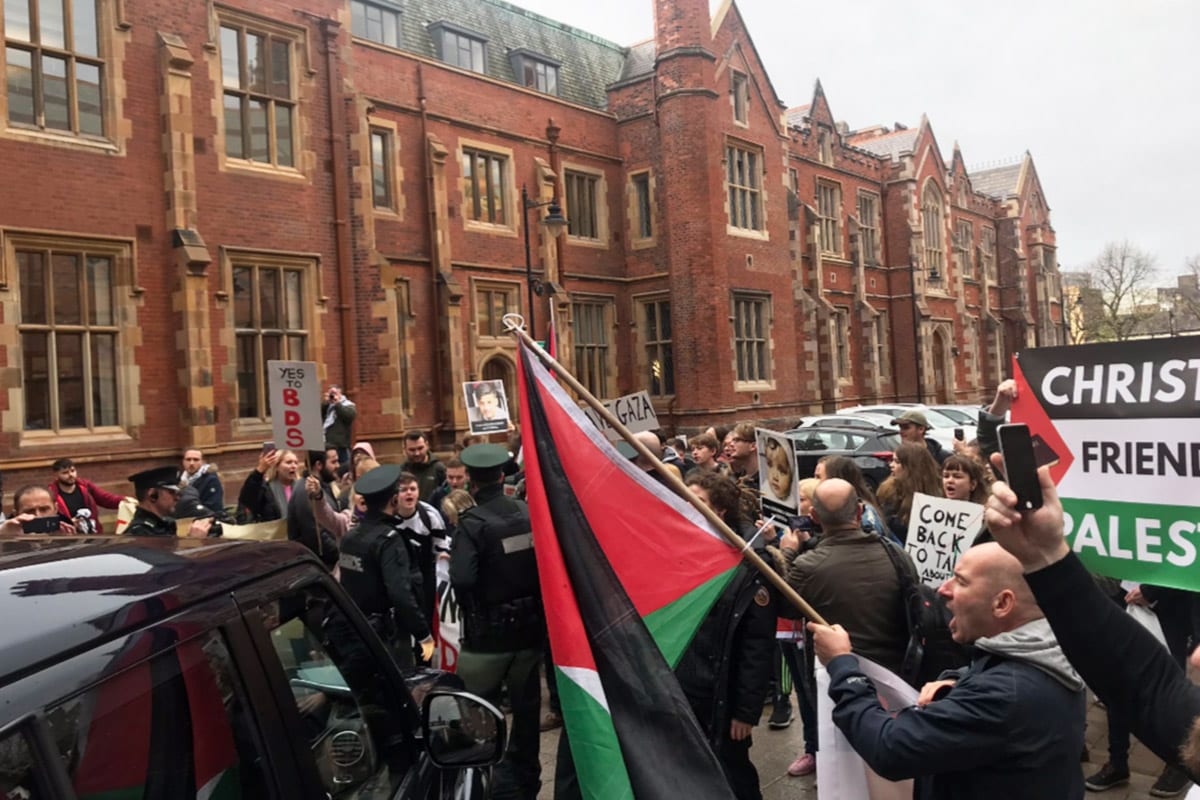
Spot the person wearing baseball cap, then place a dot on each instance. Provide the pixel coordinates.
(156, 491)
(913, 424)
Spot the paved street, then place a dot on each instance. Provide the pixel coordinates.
(774, 750)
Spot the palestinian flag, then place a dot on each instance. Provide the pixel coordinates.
(628, 572)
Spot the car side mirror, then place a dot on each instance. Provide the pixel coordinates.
(462, 730)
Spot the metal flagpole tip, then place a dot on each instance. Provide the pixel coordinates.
(512, 322)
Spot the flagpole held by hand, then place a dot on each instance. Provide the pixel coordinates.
(514, 324)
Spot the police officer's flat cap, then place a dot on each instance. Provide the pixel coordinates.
(485, 456)
(381, 480)
(156, 478)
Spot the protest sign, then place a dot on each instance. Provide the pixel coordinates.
(487, 406)
(939, 530)
(295, 393)
(777, 482)
(844, 774)
(447, 622)
(634, 411)
(1119, 423)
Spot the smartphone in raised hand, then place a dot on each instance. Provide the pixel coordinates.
(268, 447)
(1020, 465)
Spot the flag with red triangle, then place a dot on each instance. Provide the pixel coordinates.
(628, 572)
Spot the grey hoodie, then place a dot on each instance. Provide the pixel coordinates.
(1034, 643)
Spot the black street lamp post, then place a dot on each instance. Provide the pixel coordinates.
(554, 222)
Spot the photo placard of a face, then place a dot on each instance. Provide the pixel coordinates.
(487, 406)
(776, 474)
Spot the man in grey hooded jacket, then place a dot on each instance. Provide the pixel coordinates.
(1008, 725)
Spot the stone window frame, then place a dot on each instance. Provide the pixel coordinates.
(868, 229)
(313, 284)
(301, 74)
(639, 217)
(839, 335)
(824, 145)
(126, 292)
(830, 192)
(510, 195)
(606, 307)
(933, 216)
(599, 203)
(739, 91)
(880, 336)
(512, 289)
(113, 34)
(964, 247)
(754, 190)
(391, 165)
(987, 253)
(751, 344)
(401, 292)
(650, 350)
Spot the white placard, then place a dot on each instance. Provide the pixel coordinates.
(635, 412)
(487, 406)
(844, 775)
(939, 530)
(295, 392)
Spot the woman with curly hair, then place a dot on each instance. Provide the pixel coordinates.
(913, 470)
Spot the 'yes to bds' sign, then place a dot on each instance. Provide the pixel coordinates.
(295, 393)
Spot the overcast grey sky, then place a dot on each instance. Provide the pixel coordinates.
(1104, 93)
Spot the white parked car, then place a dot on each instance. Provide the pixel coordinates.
(941, 429)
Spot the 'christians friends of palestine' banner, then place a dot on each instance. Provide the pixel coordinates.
(1119, 424)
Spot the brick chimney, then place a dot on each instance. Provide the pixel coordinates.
(681, 24)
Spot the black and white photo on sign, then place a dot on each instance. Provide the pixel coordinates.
(776, 474)
(487, 406)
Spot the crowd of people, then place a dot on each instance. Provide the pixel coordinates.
(1007, 723)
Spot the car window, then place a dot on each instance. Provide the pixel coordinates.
(174, 725)
(17, 769)
(828, 440)
(349, 713)
(959, 416)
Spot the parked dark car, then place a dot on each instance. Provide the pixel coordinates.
(870, 448)
(177, 668)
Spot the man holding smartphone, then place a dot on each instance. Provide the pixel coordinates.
(338, 412)
(35, 512)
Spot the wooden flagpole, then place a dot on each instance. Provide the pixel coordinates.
(677, 485)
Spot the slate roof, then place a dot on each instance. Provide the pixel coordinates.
(588, 63)
(999, 182)
(889, 145)
(798, 117)
(639, 60)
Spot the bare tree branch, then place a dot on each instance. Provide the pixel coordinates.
(1123, 276)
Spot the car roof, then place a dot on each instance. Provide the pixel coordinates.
(60, 595)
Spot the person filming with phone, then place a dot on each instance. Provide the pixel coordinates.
(338, 412)
(35, 512)
(1130, 672)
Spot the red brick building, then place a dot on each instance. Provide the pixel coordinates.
(192, 189)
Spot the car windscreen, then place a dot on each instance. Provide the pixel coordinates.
(810, 439)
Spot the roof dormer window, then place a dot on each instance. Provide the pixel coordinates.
(460, 47)
(535, 70)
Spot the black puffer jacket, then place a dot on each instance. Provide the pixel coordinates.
(726, 669)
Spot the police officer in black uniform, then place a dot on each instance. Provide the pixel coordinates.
(494, 574)
(375, 569)
(156, 491)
